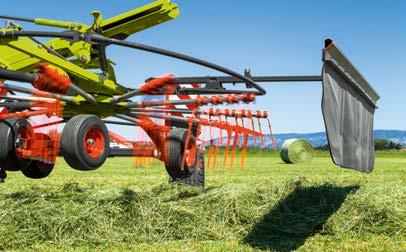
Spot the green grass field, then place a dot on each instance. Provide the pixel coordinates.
(267, 206)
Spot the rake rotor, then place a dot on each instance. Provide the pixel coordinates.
(195, 113)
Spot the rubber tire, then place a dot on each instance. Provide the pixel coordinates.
(174, 147)
(196, 178)
(38, 169)
(72, 139)
(8, 157)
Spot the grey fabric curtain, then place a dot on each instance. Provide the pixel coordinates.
(349, 119)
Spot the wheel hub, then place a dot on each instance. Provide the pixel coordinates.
(94, 142)
(21, 138)
(91, 141)
(19, 142)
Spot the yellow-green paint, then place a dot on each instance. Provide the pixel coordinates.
(61, 24)
(139, 19)
(80, 58)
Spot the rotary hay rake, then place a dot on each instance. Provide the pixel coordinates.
(67, 89)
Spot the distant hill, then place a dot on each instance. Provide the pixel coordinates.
(320, 138)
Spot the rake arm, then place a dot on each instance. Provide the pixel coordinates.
(94, 38)
(348, 101)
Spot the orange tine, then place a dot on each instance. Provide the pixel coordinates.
(253, 126)
(238, 138)
(209, 158)
(189, 132)
(229, 131)
(270, 130)
(234, 148)
(203, 138)
(226, 150)
(244, 151)
(234, 114)
(260, 129)
(242, 115)
(198, 131)
(245, 143)
(135, 159)
(218, 112)
(216, 152)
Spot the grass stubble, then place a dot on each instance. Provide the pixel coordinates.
(268, 206)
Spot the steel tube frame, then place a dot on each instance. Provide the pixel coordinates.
(92, 37)
(232, 80)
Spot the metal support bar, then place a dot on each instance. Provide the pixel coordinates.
(204, 91)
(127, 118)
(101, 50)
(29, 99)
(83, 93)
(126, 96)
(166, 117)
(119, 123)
(182, 111)
(36, 92)
(30, 78)
(223, 99)
(163, 110)
(231, 80)
(47, 124)
(220, 80)
(185, 91)
(16, 76)
(16, 105)
(159, 103)
(97, 38)
(131, 152)
(49, 49)
(100, 39)
(23, 19)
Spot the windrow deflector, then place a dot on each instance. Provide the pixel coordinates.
(349, 104)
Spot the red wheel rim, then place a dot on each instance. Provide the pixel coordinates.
(94, 142)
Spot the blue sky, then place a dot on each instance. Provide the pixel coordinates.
(270, 38)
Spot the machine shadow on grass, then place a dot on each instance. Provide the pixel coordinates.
(301, 215)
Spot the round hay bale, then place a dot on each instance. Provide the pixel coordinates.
(295, 151)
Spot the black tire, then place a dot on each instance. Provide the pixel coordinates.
(192, 174)
(9, 129)
(38, 169)
(196, 177)
(73, 142)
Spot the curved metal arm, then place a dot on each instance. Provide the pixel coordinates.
(92, 37)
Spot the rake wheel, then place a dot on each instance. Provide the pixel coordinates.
(85, 142)
(38, 169)
(196, 178)
(14, 133)
(192, 172)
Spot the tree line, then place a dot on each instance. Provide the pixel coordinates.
(380, 144)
